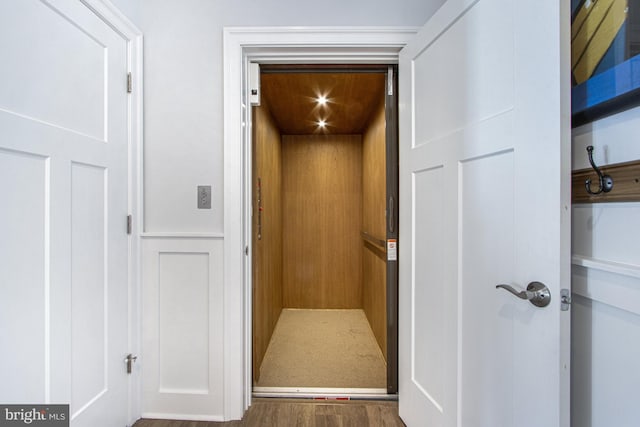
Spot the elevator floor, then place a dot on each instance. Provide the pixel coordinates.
(324, 349)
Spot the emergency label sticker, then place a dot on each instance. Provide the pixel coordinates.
(392, 250)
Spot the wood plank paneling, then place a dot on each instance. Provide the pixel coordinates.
(374, 267)
(322, 211)
(267, 251)
(626, 183)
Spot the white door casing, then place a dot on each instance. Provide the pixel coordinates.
(68, 130)
(484, 199)
(293, 45)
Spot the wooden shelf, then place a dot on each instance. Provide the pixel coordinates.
(626, 184)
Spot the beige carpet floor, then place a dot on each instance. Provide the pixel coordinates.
(323, 348)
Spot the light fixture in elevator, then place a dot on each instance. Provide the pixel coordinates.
(321, 100)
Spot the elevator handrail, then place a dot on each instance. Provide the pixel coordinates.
(380, 243)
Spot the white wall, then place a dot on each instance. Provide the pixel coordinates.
(182, 246)
(131, 8)
(606, 286)
(183, 90)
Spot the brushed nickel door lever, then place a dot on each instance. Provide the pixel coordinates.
(537, 293)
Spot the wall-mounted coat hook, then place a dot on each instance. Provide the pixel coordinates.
(605, 181)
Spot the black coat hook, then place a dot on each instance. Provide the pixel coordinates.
(605, 181)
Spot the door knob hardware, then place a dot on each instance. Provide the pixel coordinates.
(129, 360)
(537, 293)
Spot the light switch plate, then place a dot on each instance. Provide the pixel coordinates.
(204, 197)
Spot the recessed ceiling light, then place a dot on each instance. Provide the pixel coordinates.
(322, 124)
(321, 100)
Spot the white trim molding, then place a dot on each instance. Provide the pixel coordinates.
(622, 269)
(613, 283)
(301, 45)
(181, 235)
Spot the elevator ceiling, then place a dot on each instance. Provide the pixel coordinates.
(351, 97)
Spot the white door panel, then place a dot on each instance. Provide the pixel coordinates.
(483, 197)
(486, 371)
(466, 60)
(63, 90)
(63, 172)
(24, 362)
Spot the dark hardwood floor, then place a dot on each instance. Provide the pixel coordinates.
(302, 412)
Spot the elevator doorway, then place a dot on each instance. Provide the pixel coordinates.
(324, 231)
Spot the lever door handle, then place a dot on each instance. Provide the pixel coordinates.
(537, 293)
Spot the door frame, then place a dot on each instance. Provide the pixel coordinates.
(113, 17)
(274, 45)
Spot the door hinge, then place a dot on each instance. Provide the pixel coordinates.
(565, 299)
(390, 81)
(129, 83)
(129, 224)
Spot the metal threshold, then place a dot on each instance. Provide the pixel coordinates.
(324, 393)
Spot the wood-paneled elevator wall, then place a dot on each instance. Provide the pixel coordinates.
(322, 216)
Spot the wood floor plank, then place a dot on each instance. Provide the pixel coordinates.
(302, 413)
(385, 416)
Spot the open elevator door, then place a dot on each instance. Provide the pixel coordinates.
(391, 111)
(265, 266)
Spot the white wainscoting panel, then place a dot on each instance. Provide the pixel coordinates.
(182, 305)
(24, 277)
(605, 349)
(604, 232)
(183, 288)
(605, 344)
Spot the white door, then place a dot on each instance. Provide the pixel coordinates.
(63, 189)
(484, 200)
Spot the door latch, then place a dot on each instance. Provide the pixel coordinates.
(129, 361)
(565, 299)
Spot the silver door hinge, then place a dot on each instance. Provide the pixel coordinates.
(565, 299)
(129, 224)
(129, 83)
(390, 81)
